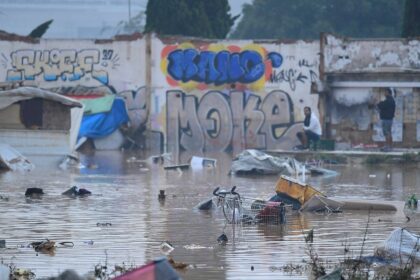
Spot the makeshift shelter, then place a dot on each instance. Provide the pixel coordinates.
(39, 122)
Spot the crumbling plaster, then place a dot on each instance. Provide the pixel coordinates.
(381, 55)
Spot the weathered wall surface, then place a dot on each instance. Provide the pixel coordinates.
(230, 95)
(116, 65)
(199, 95)
(356, 73)
(349, 55)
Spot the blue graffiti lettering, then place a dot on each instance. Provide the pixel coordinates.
(219, 68)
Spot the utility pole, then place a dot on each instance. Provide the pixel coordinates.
(129, 11)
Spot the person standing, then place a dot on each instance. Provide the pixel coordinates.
(311, 129)
(386, 114)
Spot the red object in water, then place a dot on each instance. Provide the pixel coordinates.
(157, 270)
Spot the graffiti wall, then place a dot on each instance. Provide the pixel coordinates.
(215, 96)
(58, 63)
(118, 66)
(201, 96)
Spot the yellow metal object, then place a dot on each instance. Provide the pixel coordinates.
(296, 189)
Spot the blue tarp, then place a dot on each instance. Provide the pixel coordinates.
(102, 124)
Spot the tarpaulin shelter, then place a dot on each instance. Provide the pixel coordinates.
(103, 124)
(39, 122)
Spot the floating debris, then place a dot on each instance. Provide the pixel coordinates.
(103, 224)
(74, 191)
(34, 192)
(161, 195)
(222, 239)
(166, 247)
(46, 246)
(177, 265)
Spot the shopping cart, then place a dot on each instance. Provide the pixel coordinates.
(240, 209)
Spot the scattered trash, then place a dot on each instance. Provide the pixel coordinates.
(4, 198)
(222, 239)
(158, 269)
(412, 202)
(103, 224)
(70, 161)
(295, 189)
(400, 245)
(309, 236)
(195, 247)
(240, 209)
(2, 243)
(335, 275)
(68, 275)
(313, 200)
(11, 159)
(205, 204)
(177, 265)
(34, 192)
(161, 195)
(74, 191)
(251, 162)
(20, 273)
(200, 162)
(68, 244)
(166, 247)
(46, 246)
(319, 203)
(88, 242)
(179, 166)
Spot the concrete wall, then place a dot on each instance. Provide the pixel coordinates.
(225, 95)
(198, 95)
(378, 55)
(51, 64)
(356, 74)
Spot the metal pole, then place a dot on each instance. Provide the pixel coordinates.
(129, 10)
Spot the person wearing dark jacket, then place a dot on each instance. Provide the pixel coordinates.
(386, 114)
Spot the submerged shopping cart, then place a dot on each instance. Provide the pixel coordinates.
(240, 209)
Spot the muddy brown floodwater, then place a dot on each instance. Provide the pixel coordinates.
(123, 221)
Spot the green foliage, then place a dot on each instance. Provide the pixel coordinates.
(198, 18)
(40, 30)
(131, 26)
(411, 23)
(306, 19)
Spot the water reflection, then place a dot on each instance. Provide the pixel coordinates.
(125, 196)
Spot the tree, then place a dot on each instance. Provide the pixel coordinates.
(306, 19)
(199, 18)
(411, 23)
(40, 30)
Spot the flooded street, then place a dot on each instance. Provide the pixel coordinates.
(123, 221)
